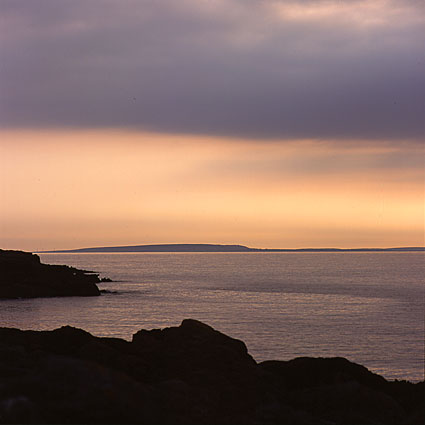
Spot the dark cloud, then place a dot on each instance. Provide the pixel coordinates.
(232, 68)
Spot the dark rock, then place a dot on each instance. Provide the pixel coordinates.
(22, 275)
(307, 372)
(105, 279)
(107, 291)
(204, 347)
(191, 374)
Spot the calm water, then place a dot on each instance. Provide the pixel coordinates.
(367, 307)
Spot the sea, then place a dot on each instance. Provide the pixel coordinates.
(365, 306)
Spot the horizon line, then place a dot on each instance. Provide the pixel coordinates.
(185, 247)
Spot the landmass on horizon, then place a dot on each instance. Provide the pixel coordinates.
(220, 248)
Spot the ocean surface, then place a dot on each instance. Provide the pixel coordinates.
(367, 307)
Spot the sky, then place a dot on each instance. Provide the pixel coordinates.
(269, 123)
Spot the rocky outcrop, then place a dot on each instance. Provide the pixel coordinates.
(191, 374)
(22, 275)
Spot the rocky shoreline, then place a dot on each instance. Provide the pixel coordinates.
(191, 374)
(22, 275)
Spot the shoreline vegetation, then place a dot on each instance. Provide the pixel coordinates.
(190, 374)
(221, 248)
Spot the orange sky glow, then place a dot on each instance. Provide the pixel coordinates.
(68, 189)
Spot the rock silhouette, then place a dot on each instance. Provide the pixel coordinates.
(191, 374)
(22, 275)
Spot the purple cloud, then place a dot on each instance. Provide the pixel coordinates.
(275, 70)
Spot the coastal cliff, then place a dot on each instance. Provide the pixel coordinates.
(22, 275)
(190, 374)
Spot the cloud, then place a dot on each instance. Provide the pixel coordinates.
(251, 69)
(310, 163)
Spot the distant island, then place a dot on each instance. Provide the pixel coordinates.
(221, 248)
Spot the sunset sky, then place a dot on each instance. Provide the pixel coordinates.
(280, 124)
